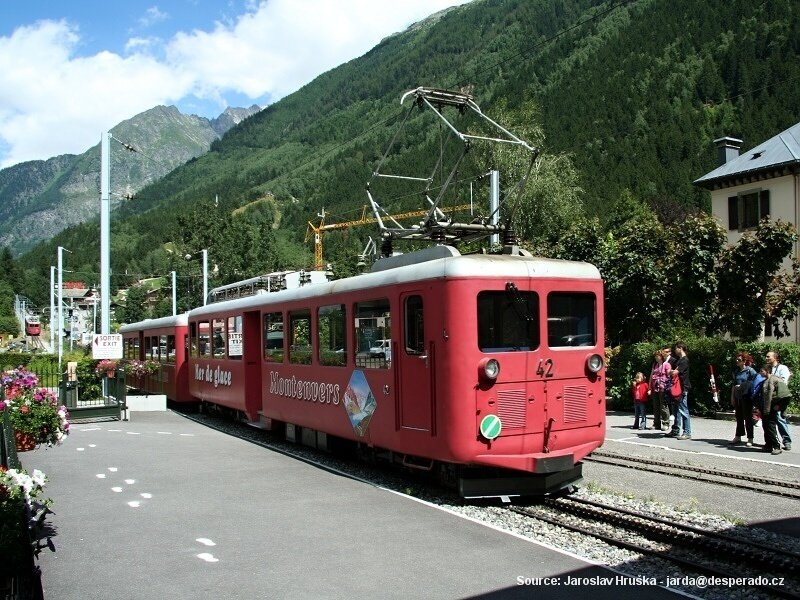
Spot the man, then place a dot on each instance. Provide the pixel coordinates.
(683, 422)
(782, 372)
(776, 399)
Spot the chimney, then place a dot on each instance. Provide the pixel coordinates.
(727, 149)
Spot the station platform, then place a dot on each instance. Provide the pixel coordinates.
(709, 448)
(161, 507)
(709, 436)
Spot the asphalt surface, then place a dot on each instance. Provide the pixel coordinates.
(161, 507)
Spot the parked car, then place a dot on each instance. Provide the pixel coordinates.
(381, 348)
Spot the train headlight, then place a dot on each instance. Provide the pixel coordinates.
(594, 363)
(488, 369)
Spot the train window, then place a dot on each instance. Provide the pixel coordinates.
(235, 337)
(162, 348)
(218, 338)
(330, 335)
(373, 334)
(203, 340)
(170, 349)
(192, 339)
(151, 347)
(300, 337)
(508, 321)
(132, 348)
(571, 319)
(273, 337)
(414, 326)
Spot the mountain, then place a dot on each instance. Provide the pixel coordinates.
(42, 197)
(627, 96)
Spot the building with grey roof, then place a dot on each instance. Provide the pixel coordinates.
(748, 186)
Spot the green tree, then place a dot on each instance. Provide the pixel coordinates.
(135, 305)
(751, 289)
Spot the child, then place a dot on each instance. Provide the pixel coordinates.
(639, 390)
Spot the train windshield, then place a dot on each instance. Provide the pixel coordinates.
(571, 319)
(508, 321)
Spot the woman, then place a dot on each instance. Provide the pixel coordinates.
(742, 398)
(658, 380)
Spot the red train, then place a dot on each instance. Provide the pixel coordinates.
(490, 369)
(165, 341)
(32, 325)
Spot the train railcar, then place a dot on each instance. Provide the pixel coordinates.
(490, 368)
(32, 325)
(165, 341)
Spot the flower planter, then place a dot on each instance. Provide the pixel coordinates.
(24, 441)
(110, 373)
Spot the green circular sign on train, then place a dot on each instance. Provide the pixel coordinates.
(491, 427)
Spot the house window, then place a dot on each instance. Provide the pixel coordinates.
(747, 209)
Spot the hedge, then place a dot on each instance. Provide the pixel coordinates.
(625, 362)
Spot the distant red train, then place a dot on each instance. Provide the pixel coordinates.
(32, 325)
(487, 369)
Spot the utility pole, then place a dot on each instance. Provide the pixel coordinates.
(105, 234)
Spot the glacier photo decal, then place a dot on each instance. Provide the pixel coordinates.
(359, 402)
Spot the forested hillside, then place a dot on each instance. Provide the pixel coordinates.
(624, 98)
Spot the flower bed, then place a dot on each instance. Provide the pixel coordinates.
(141, 368)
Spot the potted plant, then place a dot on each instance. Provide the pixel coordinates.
(35, 413)
(106, 367)
(22, 515)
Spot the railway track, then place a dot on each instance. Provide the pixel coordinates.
(719, 557)
(745, 481)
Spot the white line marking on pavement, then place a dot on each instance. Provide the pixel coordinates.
(207, 557)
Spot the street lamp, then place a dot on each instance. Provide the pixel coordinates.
(205, 271)
(61, 250)
(52, 307)
(174, 295)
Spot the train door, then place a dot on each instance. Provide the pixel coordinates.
(251, 350)
(414, 363)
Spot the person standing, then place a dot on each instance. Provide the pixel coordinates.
(669, 360)
(782, 371)
(640, 391)
(776, 398)
(742, 398)
(683, 422)
(658, 380)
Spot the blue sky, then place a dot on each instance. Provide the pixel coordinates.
(71, 69)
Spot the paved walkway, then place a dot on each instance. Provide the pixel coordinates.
(161, 507)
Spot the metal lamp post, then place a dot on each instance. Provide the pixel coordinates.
(61, 250)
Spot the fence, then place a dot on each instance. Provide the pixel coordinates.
(111, 403)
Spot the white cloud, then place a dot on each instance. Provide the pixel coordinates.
(53, 101)
(152, 16)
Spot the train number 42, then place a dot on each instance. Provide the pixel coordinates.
(545, 367)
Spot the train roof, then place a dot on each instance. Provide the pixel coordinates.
(444, 264)
(172, 321)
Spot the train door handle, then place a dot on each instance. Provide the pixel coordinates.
(425, 358)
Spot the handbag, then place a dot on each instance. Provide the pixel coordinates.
(676, 389)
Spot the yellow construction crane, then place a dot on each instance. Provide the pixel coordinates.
(317, 230)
